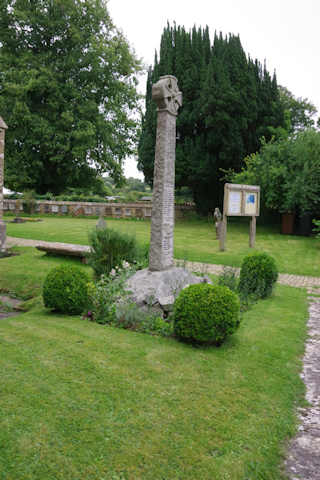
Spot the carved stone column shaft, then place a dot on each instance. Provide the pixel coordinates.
(168, 98)
(162, 222)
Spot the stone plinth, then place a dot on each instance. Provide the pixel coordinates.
(158, 290)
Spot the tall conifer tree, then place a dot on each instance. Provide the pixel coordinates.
(229, 102)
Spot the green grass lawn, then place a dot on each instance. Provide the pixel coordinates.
(83, 401)
(194, 240)
(22, 275)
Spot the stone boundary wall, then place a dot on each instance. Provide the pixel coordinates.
(116, 210)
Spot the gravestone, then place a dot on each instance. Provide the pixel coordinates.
(101, 223)
(159, 285)
(3, 128)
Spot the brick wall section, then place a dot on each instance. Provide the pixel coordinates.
(116, 210)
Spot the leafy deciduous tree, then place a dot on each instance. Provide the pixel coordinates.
(301, 111)
(67, 87)
(288, 172)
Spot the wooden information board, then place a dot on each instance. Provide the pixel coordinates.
(240, 201)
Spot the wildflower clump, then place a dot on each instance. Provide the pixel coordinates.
(107, 292)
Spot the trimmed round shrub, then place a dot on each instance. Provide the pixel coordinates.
(258, 275)
(206, 314)
(65, 289)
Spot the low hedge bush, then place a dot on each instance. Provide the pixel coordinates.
(206, 314)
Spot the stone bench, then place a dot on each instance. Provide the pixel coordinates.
(65, 249)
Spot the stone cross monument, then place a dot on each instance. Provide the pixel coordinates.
(168, 99)
(158, 286)
(3, 128)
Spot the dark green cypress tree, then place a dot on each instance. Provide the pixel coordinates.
(229, 102)
(146, 143)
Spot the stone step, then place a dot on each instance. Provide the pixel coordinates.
(65, 249)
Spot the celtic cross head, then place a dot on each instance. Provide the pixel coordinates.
(166, 94)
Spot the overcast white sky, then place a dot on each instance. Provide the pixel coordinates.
(284, 32)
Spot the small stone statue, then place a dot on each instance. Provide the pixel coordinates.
(217, 218)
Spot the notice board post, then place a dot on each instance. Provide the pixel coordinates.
(240, 201)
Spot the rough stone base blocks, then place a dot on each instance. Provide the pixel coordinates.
(159, 290)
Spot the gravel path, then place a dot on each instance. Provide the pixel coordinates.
(284, 278)
(303, 458)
